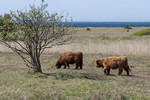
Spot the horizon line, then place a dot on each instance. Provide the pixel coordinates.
(114, 21)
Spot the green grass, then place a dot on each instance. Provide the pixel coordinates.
(141, 33)
(17, 82)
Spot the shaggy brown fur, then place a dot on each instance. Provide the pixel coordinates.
(70, 58)
(113, 63)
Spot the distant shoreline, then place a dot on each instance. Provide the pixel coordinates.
(110, 24)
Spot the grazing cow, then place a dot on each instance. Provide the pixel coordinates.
(70, 58)
(113, 63)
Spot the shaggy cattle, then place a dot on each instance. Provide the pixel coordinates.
(113, 63)
(70, 58)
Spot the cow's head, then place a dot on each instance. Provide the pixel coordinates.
(99, 63)
(58, 65)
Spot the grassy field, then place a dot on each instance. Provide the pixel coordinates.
(17, 82)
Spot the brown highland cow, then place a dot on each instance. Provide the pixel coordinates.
(70, 58)
(113, 63)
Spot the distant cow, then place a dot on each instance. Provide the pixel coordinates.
(70, 58)
(113, 63)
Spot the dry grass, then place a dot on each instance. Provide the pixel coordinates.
(18, 82)
(104, 41)
(124, 47)
(107, 41)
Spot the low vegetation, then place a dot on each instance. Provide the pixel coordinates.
(142, 32)
(18, 81)
(88, 29)
(128, 27)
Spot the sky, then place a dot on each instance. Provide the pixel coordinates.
(89, 10)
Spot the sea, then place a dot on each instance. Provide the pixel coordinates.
(110, 24)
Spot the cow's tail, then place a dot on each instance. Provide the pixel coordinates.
(127, 66)
(81, 61)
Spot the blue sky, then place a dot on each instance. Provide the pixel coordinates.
(89, 10)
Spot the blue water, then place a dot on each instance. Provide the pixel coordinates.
(110, 24)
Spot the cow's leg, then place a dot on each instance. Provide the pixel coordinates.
(105, 71)
(108, 71)
(64, 66)
(120, 71)
(68, 66)
(126, 69)
(80, 66)
(76, 66)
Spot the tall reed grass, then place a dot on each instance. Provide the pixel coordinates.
(123, 47)
(107, 41)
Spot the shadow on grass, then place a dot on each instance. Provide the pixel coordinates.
(80, 75)
(110, 75)
(66, 76)
(130, 75)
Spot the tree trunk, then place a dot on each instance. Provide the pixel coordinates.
(37, 67)
(36, 64)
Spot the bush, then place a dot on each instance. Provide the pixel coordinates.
(141, 33)
(128, 27)
(88, 29)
